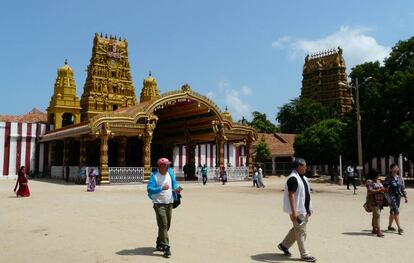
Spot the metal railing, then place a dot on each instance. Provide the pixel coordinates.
(125, 175)
(233, 173)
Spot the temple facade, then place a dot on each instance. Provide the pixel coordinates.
(322, 73)
(120, 135)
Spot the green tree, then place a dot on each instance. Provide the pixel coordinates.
(300, 114)
(321, 143)
(262, 151)
(387, 112)
(262, 124)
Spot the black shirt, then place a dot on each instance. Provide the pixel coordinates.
(292, 185)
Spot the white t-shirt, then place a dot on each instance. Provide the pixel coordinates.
(165, 197)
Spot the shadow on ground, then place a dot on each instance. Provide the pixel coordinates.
(359, 233)
(140, 251)
(273, 258)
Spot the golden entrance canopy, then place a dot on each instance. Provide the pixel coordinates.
(176, 117)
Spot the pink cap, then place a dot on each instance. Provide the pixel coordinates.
(163, 161)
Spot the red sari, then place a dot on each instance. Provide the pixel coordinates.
(23, 185)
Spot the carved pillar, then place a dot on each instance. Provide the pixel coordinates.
(147, 139)
(66, 152)
(191, 163)
(82, 152)
(220, 152)
(104, 159)
(104, 133)
(146, 155)
(121, 151)
(53, 153)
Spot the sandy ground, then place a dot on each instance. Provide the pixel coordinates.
(215, 223)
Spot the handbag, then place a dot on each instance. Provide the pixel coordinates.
(177, 201)
(366, 205)
(386, 200)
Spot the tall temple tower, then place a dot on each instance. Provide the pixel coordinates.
(64, 107)
(108, 84)
(322, 73)
(149, 89)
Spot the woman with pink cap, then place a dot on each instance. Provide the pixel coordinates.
(163, 190)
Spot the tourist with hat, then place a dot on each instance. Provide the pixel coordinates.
(163, 190)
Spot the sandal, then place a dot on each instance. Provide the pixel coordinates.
(400, 231)
(390, 228)
(380, 234)
(309, 259)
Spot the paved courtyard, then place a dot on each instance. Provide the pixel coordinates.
(215, 223)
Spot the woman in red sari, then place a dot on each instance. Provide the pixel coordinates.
(23, 184)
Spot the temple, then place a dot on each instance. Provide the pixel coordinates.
(122, 136)
(322, 74)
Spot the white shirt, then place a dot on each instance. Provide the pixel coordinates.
(300, 196)
(165, 197)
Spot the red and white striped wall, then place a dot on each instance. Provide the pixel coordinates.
(206, 154)
(18, 148)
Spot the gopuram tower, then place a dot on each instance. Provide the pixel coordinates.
(108, 84)
(322, 73)
(64, 108)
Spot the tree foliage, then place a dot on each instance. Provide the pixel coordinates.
(387, 111)
(262, 124)
(262, 151)
(300, 114)
(321, 143)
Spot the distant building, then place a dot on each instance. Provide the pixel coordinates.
(19, 135)
(322, 73)
(281, 149)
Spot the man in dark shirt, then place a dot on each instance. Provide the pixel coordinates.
(297, 203)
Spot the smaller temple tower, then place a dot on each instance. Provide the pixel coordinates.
(108, 84)
(64, 107)
(149, 89)
(322, 73)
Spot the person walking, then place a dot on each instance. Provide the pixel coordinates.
(22, 182)
(297, 203)
(163, 189)
(204, 174)
(260, 178)
(223, 175)
(93, 174)
(395, 185)
(351, 176)
(255, 176)
(376, 199)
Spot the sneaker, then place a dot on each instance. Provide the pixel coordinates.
(400, 231)
(284, 249)
(167, 252)
(308, 259)
(160, 248)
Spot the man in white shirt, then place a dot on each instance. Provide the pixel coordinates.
(162, 188)
(297, 203)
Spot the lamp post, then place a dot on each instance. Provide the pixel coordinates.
(360, 166)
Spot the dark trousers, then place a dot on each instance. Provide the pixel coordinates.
(204, 179)
(163, 213)
(255, 183)
(352, 179)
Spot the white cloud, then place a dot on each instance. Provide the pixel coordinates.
(358, 46)
(246, 91)
(233, 99)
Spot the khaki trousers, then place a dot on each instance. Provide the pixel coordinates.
(163, 213)
(376, 213)
(297, 233)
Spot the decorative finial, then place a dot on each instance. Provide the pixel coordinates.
(119, 39)
(106, 35)
(226, 108)
(150, 73)
(101, 34)
(66, 61)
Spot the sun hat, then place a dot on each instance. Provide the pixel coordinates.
(163, 161)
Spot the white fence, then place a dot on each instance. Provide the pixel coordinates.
(125, 175)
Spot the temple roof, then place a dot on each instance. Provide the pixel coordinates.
(280, 144)
(33, 116)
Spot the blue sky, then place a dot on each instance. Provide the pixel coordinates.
(247, 55)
